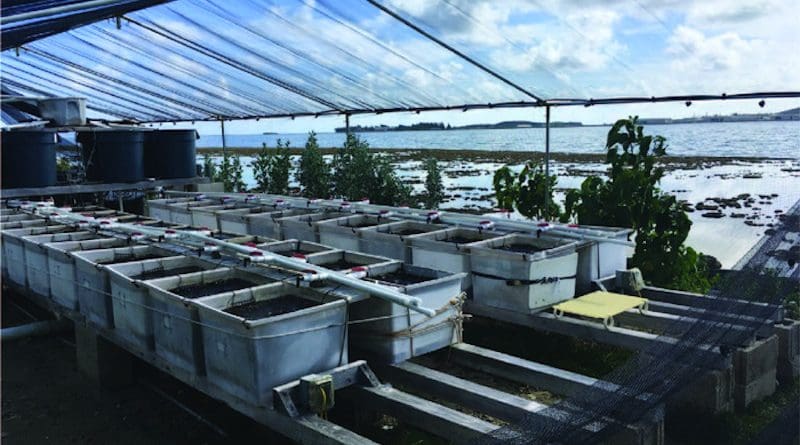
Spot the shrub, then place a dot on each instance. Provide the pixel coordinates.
(631, 198)
(525, 191)
(434, 189)
(314, 175)
(271, 168)
(360, 174)
(261, 168)
(209, 167)
(229, 172)
(278, 170)
(236, 179)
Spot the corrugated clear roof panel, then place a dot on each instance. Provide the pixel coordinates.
(197, 59)
(203, 59)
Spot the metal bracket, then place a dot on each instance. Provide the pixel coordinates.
(290, 399)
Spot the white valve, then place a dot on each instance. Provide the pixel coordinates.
(486, 225)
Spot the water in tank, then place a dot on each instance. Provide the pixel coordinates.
(113, 155)
(29, 158)
(170, 154)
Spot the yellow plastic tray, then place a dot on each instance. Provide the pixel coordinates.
(600, 305)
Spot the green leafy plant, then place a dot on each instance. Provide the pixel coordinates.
(360, 174)
(630, 197)
(271, 168)
(260, 166)
(434, 189)
(278, 169)
(313, 174)
(229, 173)
(236, 180)
(526, 191)
(209, 167)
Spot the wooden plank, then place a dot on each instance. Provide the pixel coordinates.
(682, 310)
(97, 188)
(706, 301)
(424, 414)
(676, 325)
(499, 404)
(463, 392)
(539, 375)
(559, 381)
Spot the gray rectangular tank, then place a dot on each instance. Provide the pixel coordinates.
(37, 267)
(181, 212)
(176, 333)
(12, 217)
(94, 290)
(21, 224)
(132, 306)
(61, 262)
(394, 239)
(523, 273)
(302, 250)
(304, 227)
(391, 333)
(599, 259)
(273, 334)
(235, 220)
(14, 251)
(161, 208)
(448, 249)
(266, 223)
(346, 261)
(345, 233)
(207, 216)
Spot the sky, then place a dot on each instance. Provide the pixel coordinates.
(191, 58)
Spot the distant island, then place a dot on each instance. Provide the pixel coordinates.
(439, 126)
(786, 115)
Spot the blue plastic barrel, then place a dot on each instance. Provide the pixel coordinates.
(113, 155)
(29, 158)
(170, 154)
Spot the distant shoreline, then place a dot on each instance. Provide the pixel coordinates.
(512, 157)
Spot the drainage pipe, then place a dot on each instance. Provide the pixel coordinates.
(34, 329)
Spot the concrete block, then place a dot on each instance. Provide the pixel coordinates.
(755, 390)
(712, 393)
(788, 334)
(755, 361)
(101, 360)
(649, 431)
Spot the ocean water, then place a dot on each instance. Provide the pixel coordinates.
(773, 139)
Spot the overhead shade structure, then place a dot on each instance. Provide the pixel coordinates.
(207, 60)
(26, 21)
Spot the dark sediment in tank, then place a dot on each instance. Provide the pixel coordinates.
(270, 308)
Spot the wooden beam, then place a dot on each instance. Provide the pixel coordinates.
(463, 392)
(708, 301)
(424, 414)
